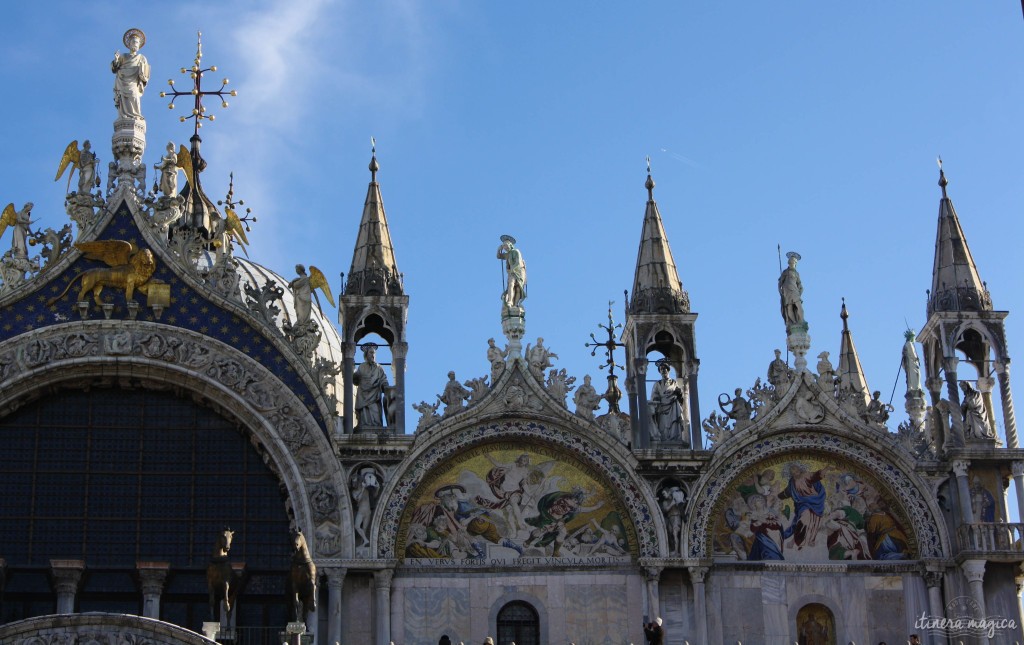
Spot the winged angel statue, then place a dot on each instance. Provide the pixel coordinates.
(128, 268)
(304, 289)
(84, 161)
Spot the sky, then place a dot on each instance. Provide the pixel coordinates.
(813, 126)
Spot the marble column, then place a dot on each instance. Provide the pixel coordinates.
(696, 440)
(963, 491)
(1018, 483)
(335, 582)
(700, 612)
(933, 580)
(652, 575)
(151, 579)
(974, 571)
(1009, 420)
(382, 583)
(348, 367)
(952, 385)
(644, 418)
(67, 575)
(398, 353)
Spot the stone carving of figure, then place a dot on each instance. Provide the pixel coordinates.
(673, 502)
(559, 384)
(131, 74)
(372, 381)
(877, 411)
(168, 168)
(587, 399)
(365, 487)
(515, 270)
(976, 421)
(496, 357)
(302, 292)
(911, 363)
(778, 371)
(739, 411)
(666, 407)
(19, 236)
(454, 395)
(791, 292)
(982, 502)
(539, 359)
(826, 372)
(86, 168)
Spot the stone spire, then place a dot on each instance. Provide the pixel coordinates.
(656, 284)
(956, 285)
(851, 373)
(374, 271)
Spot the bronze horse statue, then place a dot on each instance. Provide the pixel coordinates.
(219, 576)
(302, 589)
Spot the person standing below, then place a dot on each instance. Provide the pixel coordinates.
(654, 632)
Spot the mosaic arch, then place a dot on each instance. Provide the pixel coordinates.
(807, 507)
(864, 506)
(516, 492)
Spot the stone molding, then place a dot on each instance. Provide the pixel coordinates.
(161, 356)
(96, 628)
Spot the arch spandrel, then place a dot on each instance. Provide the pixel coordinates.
(581, 474)
(907, 496)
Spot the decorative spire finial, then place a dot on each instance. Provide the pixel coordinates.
(374, 166)
(943, 182)
(844, 314)
(649, 184)
(196, 73)
(613, 395)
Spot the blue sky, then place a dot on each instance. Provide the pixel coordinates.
(814, 125)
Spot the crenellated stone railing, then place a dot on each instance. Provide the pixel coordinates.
(999, 539)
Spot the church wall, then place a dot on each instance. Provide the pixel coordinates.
(761, 608)
(357, 614)
(581, 607)
(1002, 600)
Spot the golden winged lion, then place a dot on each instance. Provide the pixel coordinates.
(129, 268)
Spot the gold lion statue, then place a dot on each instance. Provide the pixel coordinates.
(129, 269)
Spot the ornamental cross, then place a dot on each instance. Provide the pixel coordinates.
(196, 73)
(609, 345)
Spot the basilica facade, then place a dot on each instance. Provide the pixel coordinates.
(195, 451)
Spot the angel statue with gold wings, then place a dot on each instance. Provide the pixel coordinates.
(84, 161)
(169, 165)
(20, 220)
(304, 289)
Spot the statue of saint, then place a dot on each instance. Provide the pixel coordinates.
(539, 359)
(168, 168)
(911, 363)
(778, 371)
(453, 396)
(131, 74)
(86, 168)
(740, 409)
(496, 357)
(587, 399)
(791, 292)
(371, 380)
(515, 269)
(975, 413)
(666, 407)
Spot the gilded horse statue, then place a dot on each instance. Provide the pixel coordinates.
(302, 589)
(219, 576)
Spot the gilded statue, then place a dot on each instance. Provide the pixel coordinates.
(128, 268)
(304, 289)
(84, 161)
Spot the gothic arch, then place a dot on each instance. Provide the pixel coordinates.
(138, 353)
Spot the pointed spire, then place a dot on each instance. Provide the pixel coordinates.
(374, 271)
(656, 284)
(956, 285)
(851, 373)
